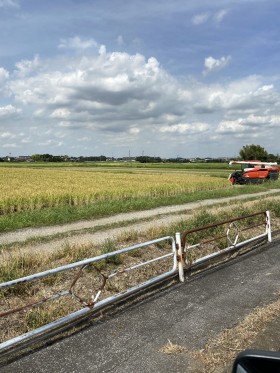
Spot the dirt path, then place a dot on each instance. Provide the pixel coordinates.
(233, 290)
(75, 233)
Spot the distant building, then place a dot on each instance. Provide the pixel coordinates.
(23, 158)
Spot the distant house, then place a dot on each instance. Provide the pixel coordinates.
(23, 158)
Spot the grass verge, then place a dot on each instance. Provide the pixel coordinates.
(220, 351)
(19, 264)
(68, 214)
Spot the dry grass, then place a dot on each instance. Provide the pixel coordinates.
(19, 263)
(172, 348)
(221, 350)
(89, 281)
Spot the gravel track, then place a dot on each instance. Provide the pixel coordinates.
(77, 231)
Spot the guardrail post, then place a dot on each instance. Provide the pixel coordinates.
(268, 226)
(180, 257)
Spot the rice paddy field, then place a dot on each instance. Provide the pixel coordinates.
(42, 194)
(31, 189)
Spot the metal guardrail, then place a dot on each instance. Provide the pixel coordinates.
(226, 236)
(94, 303)
(188, 249)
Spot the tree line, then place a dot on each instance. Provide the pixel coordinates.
(257, 152)
(247, 152)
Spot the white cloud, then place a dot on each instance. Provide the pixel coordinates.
(111, 91)
(111, 85)
(252, 124)
(185, 128)
(6, 135)
(220, 15)
(212, 64)
(4, 75)
(216, 17)
(117, 97)
(4, 79)
(237, 98)
(201, 18)
(61, 113)
(134, 130)
(26, 67)
(77, 43)
(51, 142)
(9, 111)
(102, 50)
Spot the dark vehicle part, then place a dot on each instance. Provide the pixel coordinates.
(256, 361)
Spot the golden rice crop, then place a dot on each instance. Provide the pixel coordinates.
(30, 189)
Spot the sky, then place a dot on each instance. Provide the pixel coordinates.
(140, 77)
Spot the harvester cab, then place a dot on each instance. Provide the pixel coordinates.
(254, 172)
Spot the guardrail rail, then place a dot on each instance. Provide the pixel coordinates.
(97, 277)
(203, 244)
(89, 283)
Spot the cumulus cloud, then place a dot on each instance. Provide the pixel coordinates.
(237, 98)
(212, 64)
(26, 67)
(182, 128)
(109, 91)
(100, 90)
(61, 113)
(254, 124)
(115, 97)
(4, 75)
(9, 111)
(6, 135)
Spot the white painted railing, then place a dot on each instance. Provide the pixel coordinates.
(183, 251)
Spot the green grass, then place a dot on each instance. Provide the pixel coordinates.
(23, 263)
(205, 217)
(123, 166)
(48, 312)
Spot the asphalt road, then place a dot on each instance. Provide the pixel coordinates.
(187, 314)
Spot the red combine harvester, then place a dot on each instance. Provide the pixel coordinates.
(254, 172)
